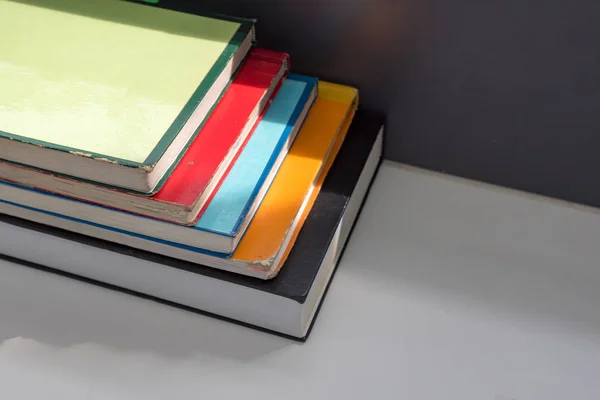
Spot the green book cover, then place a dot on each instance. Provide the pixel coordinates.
(108, 79)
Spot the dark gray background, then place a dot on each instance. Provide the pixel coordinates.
(503, 91)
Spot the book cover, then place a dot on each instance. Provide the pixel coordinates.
(275, 226)
(203, 166)
(110, 80)
(343, 94)
(236, 199)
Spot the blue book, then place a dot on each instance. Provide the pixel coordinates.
(225, 220)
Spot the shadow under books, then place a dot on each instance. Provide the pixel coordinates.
(60, 313)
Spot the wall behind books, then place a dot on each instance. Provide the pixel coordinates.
(501, 91)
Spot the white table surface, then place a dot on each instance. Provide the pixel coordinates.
(449, 289)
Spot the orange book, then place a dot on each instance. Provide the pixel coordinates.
(315, 192)
(277, 223)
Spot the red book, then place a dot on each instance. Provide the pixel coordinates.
(207, 160)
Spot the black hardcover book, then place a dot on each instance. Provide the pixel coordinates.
(286, 305)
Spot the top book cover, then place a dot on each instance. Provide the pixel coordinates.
(110, 91)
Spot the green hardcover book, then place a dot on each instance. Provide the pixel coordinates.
(110, 91)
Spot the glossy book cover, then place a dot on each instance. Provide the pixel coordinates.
(109, 80)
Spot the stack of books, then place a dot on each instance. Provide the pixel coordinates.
(168, 155)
